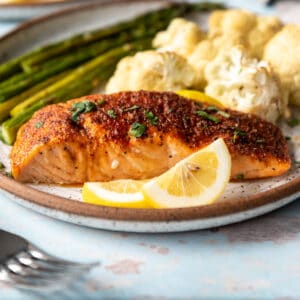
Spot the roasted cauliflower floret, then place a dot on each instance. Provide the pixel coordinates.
(205, 52)
(244, 84)
(283, 53)
(152, 70)
(249, 30)
(182, 36)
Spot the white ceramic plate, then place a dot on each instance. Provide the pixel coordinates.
(241, 201)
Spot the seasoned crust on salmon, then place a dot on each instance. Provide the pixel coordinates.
(102, 146)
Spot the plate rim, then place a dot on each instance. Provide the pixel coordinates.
(216, 209)
(51, 201)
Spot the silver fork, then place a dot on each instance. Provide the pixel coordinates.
(26, 266)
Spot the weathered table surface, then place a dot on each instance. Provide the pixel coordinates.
(255, 259)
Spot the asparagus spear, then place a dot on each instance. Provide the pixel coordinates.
(21, 82)
(7, 106)
(110, 57)
(51, 92)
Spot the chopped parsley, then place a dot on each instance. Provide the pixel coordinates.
(112, 113)
(133, 107)
(151, 117)
(2, 167)
(79, 108)
(223, 114)
(297, 162)
(293, 122)
(288, 138)
(212, 108)
(237, 133)
(207, 116)
(137, 129)
(240, 176)
(101, 102)
(38, 124)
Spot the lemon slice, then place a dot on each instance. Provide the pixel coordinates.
(199, 96)
(118, 193)
(197, 180)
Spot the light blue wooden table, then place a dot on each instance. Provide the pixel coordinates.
(257, 259)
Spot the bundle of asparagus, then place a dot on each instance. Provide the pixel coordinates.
(72, 68)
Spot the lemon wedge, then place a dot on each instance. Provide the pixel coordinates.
(199, 96)
(118, 193)
(197, 180)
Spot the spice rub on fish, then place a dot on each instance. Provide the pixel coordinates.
(139, 135)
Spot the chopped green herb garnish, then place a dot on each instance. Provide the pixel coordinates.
(171, 110)
(212, 108)
(223, 114)
(2, 167)
(293, 122)
(207, 116)
(112, 113)
(237, 133)
(137, 129)
(79, 108)
(134, 107)
(101, 102)
(297, 162)
(240, 176)
(151, 117)
(288, 138)
(38, 124)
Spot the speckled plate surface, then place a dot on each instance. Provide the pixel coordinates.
(240, 201)
(30, 9)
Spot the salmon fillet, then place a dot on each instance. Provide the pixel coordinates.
(139, 135)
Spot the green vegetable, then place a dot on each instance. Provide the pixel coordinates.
(137, 129)
(6, 107)
(39, 124)
(151, 118)
(111, 113)
(240, 176)
(2, 167)
(134, 107)
(207, 116)
(79, 108)
(223, 114)
(237, 133)
(101, 102)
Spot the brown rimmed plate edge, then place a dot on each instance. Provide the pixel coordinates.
(129, 214)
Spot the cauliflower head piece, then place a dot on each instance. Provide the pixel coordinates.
(244, 84)
(283, 53)
(152, 70)
(244, 27)
(206, 51)
(181, 36)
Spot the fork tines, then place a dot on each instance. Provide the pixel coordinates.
(33, 268)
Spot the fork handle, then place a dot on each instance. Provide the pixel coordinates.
(10, 244)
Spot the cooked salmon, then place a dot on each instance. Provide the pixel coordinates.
(139, 135)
